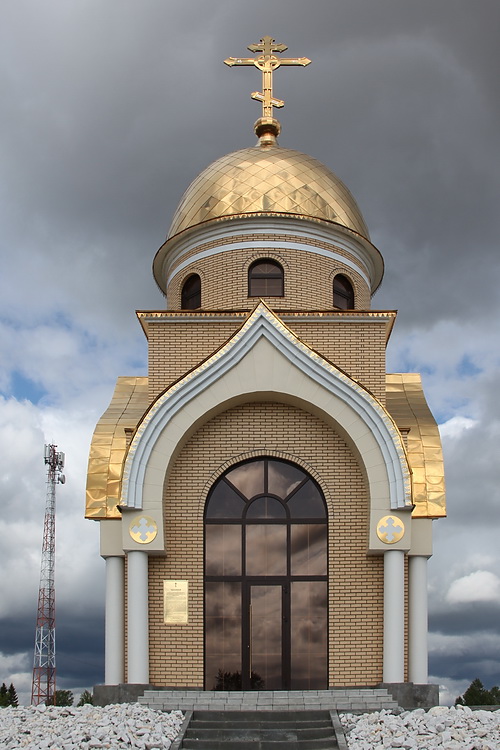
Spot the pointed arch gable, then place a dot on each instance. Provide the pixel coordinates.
(265, 359)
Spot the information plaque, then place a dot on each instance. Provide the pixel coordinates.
(175, 602)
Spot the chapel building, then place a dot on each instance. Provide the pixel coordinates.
(266, 493)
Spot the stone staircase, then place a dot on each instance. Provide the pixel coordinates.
(259, 730)
(356, 700)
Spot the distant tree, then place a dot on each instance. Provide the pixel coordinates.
(64, 698)
(85, 697)
(4, 696)
(495, 694)
(477, 695)
(13, 699)
(8, 696)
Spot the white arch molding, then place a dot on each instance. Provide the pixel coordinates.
(265, 360)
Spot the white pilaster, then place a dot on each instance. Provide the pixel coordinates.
(394, 616)
(417, 601)
(137, 611)
(114, 657)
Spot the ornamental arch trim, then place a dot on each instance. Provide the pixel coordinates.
(287, 370)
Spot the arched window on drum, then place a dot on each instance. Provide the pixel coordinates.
(343, 293)
(265, 279)
(191, 293)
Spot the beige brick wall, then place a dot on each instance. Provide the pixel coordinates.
(355, 580)
(175, 348)
(308, 279)
(357, 348)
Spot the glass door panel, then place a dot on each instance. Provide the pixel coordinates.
(223, 635)
(308, 549)
(266, 550)
(309, 635)
(266, 639)
(222, 550)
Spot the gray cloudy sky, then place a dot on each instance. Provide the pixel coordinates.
(109, 109)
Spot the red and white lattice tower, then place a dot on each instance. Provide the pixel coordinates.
(43, 688)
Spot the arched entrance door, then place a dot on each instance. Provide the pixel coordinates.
(266, 614)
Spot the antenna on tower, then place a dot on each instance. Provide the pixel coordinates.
(43, 687)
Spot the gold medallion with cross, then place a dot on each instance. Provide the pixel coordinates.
(267, 62)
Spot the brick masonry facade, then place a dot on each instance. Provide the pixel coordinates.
(355, 579)
(308, 279)
(358, 348)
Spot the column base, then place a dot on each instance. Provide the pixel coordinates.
(123, 693)
(410, 695)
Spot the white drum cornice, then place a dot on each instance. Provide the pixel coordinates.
(365, 258)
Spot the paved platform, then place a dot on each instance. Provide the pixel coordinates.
(340, 699)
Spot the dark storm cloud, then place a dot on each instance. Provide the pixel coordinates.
(459, 667)
(80, 649)
(477, 617)
(113, 108)
(79, 640)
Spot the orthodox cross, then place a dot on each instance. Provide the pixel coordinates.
(267, 62)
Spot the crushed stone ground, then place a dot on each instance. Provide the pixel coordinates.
(124, 725)
(440, 728)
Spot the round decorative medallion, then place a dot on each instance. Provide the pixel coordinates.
(390, 529)
(143, 529)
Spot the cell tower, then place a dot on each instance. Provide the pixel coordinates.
(43, 687)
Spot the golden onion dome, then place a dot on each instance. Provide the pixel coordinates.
(267, 179)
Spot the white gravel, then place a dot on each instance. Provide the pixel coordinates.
(125, 725)
(134, 726)
(440, 728)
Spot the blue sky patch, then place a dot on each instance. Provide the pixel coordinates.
(467, 368)
(25, 388)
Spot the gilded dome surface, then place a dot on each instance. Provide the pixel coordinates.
(267, 179)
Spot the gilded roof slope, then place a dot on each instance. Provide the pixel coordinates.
(270, 179)
(407, 405)
(109, 444)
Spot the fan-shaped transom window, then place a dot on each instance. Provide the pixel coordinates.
(343, 293)
(265, 488)
(265, 279)
(191, 293)
(266, 592)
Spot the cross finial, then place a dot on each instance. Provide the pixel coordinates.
(267, 62)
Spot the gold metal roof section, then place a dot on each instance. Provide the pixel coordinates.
(406, 403)
(269, 180)
(109, 444)
(267, 62)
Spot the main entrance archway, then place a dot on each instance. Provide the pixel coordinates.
(266, 613)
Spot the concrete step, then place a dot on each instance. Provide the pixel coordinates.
(259, 730)
(249, 718)
(261, 745)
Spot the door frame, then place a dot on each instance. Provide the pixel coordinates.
(314, 515)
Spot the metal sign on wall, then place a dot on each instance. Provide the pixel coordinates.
(175, 602)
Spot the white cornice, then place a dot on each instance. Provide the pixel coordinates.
(366, 259)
